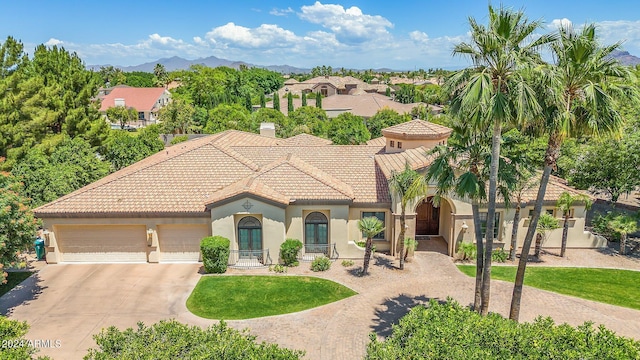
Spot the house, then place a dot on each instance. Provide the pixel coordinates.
(147, 101)
(331, 85)
(258, 190)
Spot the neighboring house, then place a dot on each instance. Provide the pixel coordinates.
(332, 85)
(258, 190)
(361, 104)
(147, 101)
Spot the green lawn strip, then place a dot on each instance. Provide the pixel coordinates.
(245, 297)
(611, 286)
(13, 280)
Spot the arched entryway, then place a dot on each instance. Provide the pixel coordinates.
(427, 218)
(249, 237)
(316, 233)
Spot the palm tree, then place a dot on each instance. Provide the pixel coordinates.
(564, 203)
(547, 223)
(370, 226)
(578, 96)
(494, 92)
(406, 186)
(623, 224)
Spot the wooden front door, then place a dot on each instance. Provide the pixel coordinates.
(427, 218)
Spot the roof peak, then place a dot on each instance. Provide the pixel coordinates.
(417, 129)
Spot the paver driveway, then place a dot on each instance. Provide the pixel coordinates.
(76, 301)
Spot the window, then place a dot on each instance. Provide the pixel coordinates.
(483, 224)
(378, 214)
(249, 236)
(392, 143)
(399, 144)
(551, 212)
(316, 233)
(140, 115)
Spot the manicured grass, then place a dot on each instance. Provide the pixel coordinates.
(616, 287)
(245, 297)
(13, 280)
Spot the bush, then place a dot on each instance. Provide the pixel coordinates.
(277, 268)
(169, 339)
(467, 250)
(289, 251)
(347, 263)
(363, 244)
(450, 331)
(215, 254)
(499, 255)
(321, 263)
(14, 345)
(178, 139)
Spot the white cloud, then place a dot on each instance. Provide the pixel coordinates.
(264, 36)
(560, 23)
(281, 12)
(54, 41)
(350, 25)
(622, 30)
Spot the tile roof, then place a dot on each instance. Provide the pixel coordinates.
(142, 99)
(555, 188)
(417, 129)
(380, 141)
(305, 140)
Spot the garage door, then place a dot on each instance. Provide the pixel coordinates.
(102, 243)
(181, 242)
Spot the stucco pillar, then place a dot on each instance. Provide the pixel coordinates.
(153, 253)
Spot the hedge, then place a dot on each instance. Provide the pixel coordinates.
(289, 251)
(215, 254)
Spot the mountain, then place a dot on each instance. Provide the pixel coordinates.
(178, 63)
(625, 58)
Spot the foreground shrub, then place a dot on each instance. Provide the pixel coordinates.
(467, 251)
(289, 251)
(321, 263)
(278, 268)
(499, 255)
(14, 346)
(215, 254)
(169, 339)
(450, 331)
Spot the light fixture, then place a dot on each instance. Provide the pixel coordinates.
(45, 233)
(464, 226)
(150, 236)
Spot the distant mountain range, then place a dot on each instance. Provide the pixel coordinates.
(178, 63)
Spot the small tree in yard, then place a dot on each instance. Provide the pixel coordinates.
(565, 202)
(215, 254)
(13, 332)
(546, 223)
(276, 101)
(289, 102)
(304, 99)
(122, 115)
(623, 224)
(289, 252)
(370, 226)
(319, 100)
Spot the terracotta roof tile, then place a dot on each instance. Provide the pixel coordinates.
(417, 129)
(142, 99)
(305, 140)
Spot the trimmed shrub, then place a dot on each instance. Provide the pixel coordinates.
(14, 345)
(450, 331)
(289, 251)
(178, 139)
(277, 268)
(467, 251)
(347, 263)
(215, 254)
(321, 263)
(499, 255)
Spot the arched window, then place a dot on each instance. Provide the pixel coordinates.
(316, 232)
(249, 236)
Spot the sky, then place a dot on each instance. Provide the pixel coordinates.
(396, 34)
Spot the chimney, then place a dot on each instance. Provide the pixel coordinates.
(268, 129)
(119, 102)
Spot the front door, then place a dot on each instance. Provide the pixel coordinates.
(249, 237)
(427, 218)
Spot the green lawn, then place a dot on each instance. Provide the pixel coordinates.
(245, 297)
(616, 287)
(14, 279)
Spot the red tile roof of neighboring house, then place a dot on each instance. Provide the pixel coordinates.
(417, 129)
(142, 99)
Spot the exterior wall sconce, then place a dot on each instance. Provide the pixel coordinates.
(464, 227)
(149, 237)
(46, 233)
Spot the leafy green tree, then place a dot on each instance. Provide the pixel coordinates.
(15, 331)
(289, 102)
(565, 202)
(123, 149)
(122, 115)
(406, 187)
(370, 226)
(276, 101)
(160, 75)
(71, 165)
(177, 117)
(112, 76)
(348, 129)
(19, 226)
(623, 225)
(229, 117)
(405, 93)
(139, 79)
(263, 101)
(382, 119)
(319, 100)
(169, 339)
(280, 121)
(309, 120)
(493, 92)
(577, 94)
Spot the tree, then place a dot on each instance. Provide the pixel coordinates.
(276, 101)
(348, 129)
(370, 226)
(547, 223)
(289, 102)
(405, 93)
(169, 339)
(263, 101)
(112, 76)
(623, 224)
(319, 100)
(19, 226)
(577, 95)
(123, 149)
(280, 121)
(494, 92)
(523, 183)
(382, 119)
(122, 115)
(15, 331)
(161, 77)
(309, 120)
(139, 79)
(565, 203)
(177, 117)
(230, 117)
(387, 92)
(304, 98)
(406, 187)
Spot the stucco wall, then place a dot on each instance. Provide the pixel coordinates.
(355, 214)
(411, 144)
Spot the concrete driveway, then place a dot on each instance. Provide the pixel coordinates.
(70, 303)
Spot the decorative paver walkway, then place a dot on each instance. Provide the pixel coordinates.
(72, 302)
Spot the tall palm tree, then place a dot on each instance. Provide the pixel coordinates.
(565, 203)
(493, 92)
(406, 186)
(623, 224)
(370, 226)
(578, 96)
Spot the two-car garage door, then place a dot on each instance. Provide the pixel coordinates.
(102, 243)
(181, 242)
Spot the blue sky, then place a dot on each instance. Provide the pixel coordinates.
(398, 34)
